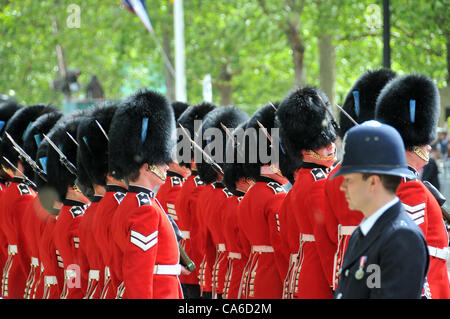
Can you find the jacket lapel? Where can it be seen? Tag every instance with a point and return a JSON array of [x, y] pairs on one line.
[[357, 249]]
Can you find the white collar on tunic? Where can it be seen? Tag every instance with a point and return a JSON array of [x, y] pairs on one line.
[[367, 223]]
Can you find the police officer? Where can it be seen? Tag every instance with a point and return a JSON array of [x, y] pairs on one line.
[[360, 105], [411, 104], [387, 256]]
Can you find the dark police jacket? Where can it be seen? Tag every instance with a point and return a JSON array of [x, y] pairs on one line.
[[391, 261]]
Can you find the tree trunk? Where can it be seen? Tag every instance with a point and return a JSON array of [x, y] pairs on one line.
[[225, 86], [448, 58], [169, 79], [327, 67], [298, 52]]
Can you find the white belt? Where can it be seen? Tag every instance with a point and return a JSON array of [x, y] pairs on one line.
[[221, 247], [107, 272], [441, 253], [12, 249], [70, 273], [234, 255], [306, 237], [167, 269], [34, 261], [293, 258], [50, 280], [94, 274], [345, 230], [262, 249], [186, 234]]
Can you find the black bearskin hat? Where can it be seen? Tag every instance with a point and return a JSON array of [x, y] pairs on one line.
[[18, 127], [234, 170], [266, 116], [304, 122], [230, 117], [178, 108], [187, 119], [142, 131], [411, 104], [360, 100], [7, 110], [34, 136], [59, 177], [92, 152]]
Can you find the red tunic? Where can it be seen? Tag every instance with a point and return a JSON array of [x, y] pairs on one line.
[[53, 273], [3, 240], [34, 225], [258, 214], [168, 192], [186, 204], [150, 249], [316, 250], [67, 240], [423, 208], [205, 243], [339, 219], [237, 258], [14, 205], [290, 239], [102, 235], [91, 264]]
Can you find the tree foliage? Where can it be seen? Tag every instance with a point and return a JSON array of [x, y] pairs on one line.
[[242, 46]]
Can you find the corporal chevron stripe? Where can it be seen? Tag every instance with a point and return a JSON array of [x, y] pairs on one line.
[[417, 212], [144, 242]]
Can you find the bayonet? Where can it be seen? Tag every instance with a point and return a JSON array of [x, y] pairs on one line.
[[62, 158], [216, 166], [28, 181], [101, 129], [27, 158]]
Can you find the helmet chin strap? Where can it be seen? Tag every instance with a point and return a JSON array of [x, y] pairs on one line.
[[319, 157], [419, 152], [155, 170]]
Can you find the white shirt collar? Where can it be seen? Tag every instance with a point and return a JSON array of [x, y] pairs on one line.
[[367, 223]]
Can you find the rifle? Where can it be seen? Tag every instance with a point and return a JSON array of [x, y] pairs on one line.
[[24, 156]]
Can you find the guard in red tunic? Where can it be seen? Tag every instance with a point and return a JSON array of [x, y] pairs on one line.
[[7, 110], [360, 105], [92, 155], [187, 199], [411, 104], [51, 266], [237, 184], [259, 209], [168, 192], [36, 218], [65, 183], [209, 214], [307, 133], [15, 201], [140, 148]]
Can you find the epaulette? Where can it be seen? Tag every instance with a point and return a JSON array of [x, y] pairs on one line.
[[143, 199], [318, 174], [277, 188], [227, 192], [119, 196], [410, 179], [76, 211], [24, 189], [198, 181], [218, 185], [176, 181]]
